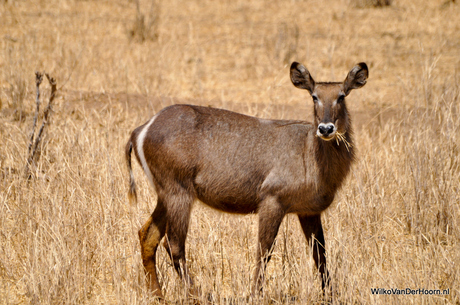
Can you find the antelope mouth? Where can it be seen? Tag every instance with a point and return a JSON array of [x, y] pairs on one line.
[[338, 136], [327, 138]]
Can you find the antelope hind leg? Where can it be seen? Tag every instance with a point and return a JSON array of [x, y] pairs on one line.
[[150, 236]]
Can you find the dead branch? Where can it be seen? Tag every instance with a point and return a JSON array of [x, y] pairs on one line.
[[38, 81], [46, 114]]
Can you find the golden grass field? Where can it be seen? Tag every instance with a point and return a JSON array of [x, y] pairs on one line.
[[69, 235]]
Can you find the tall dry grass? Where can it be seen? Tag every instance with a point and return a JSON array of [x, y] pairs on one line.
[[69, 236]]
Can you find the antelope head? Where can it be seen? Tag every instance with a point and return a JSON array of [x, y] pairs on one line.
[[331, 115]]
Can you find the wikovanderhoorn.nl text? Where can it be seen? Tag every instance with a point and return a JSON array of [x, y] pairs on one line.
[[409, 291]]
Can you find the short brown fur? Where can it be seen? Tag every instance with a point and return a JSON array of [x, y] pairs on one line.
[[242, 164]]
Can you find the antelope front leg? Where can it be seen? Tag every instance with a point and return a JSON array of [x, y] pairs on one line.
[[270, 216], [312, 228]]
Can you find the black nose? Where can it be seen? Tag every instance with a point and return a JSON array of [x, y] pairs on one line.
[[326, 130]]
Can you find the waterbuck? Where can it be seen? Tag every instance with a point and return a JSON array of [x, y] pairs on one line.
[[241, 164]]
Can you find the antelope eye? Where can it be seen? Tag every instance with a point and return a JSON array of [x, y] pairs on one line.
[[315, 98], [341, 98]]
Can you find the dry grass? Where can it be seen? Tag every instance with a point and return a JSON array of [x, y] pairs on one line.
[[69, 235]]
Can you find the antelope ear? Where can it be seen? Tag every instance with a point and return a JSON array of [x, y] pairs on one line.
[[301, 78], [356, 78]]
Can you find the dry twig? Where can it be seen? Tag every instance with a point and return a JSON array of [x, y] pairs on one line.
[[38, 81], [34, 145]]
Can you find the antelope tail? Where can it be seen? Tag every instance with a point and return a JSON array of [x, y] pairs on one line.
[[132, 195]]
